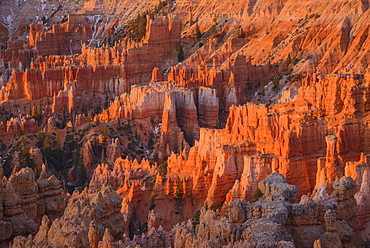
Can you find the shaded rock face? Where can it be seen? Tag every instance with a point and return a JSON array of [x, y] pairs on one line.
[[25, 200], [13, 214], [84, 222], [51, 197], [273, 221], [24, 183]]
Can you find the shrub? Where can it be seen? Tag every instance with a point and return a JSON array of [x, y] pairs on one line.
[[213, 31], [162, 170], [239, 33], [152, 200], [196, 219]]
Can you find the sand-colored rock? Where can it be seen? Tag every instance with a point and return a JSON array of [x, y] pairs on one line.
[[42, 234], [362, 200], [51, 196], [26, 200], [84, 220], [93, 235], [25, 185], [13, 212], [343, 194]]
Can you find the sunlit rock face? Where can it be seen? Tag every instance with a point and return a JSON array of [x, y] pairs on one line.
[[184, 124]]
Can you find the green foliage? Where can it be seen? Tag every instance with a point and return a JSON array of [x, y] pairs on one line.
[[2, 146], [180, 54], [40, 137], [275, 82], [151, 141], [105, 134], [36, 113], [62, 159], [136, 28], [152, 200], [258, 194], [239, 33], [152, 120], [46, 144], [294, 60], [80, 168], [213, 31], [25, 156], [162, 170], [196, 219], [150, 181], [7, 165], [179, 191]]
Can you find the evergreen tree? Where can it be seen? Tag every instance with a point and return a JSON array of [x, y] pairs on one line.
[[180, 54]]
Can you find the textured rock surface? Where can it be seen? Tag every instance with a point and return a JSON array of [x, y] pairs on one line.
[[24, 183], [51, 197], [84, 221], [270, 221], [193, 114], [362, 199], [25, 200], [13, 213]]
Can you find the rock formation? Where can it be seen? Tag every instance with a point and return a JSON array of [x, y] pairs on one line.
[[83, 222], [51, 197], [270, 221], [158, 110], [25, 200], [13, 213]]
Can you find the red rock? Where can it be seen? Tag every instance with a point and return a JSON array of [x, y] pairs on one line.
[[329, 168]]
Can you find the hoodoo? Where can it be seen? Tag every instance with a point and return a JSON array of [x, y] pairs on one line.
[[184, 123]]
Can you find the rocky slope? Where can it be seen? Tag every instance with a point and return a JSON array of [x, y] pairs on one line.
[[25, 200], [154, 111], [274, 220]]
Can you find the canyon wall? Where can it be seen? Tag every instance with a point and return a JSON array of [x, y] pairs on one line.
[[179, 107]]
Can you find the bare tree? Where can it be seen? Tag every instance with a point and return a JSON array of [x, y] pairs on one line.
[[13, 17]]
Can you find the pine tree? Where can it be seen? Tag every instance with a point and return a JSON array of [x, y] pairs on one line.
[[180, 54]]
